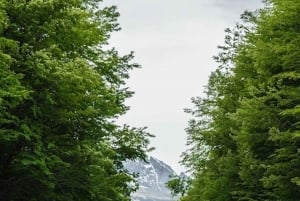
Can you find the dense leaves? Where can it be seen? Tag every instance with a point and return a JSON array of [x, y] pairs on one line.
[[60, 93], [244, 137]]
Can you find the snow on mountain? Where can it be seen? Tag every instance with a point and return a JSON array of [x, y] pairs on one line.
[[152, 179]]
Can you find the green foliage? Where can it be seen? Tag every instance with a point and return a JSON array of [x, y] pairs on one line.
[[178, 185], [60, 92], [245, 133]]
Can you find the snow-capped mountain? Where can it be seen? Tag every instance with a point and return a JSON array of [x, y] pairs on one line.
[[152, 180]]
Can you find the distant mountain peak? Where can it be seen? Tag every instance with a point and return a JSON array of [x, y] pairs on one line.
[[152, 179], [162, 164]]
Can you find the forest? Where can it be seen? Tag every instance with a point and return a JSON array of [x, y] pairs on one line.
[[62, 90]]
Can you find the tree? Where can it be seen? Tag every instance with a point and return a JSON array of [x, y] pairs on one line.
[[270, 134], [245, 135], [61, 91]]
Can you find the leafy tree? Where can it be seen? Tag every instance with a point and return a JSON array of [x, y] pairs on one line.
[[61, 91], [244, 138], [271, 129]]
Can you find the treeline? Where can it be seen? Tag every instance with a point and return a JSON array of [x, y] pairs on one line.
[[245, 135], [61, 90]]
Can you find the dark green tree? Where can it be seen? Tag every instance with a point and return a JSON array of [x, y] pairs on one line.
[[245, 134], [61, 91], [268, 117]]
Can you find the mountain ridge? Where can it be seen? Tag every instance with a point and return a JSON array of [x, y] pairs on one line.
[[152, 178]]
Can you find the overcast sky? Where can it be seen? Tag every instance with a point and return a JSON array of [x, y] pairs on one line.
[[173, 41]]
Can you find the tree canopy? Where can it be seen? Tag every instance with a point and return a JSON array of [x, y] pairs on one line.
[[244, 137], [61, 90]]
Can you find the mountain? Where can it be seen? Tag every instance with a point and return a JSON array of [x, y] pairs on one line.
[[152, 179]]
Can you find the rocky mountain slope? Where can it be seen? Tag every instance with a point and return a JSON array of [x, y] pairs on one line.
[[152, 179]]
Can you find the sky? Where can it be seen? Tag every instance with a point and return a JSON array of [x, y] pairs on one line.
[[174, 42]]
